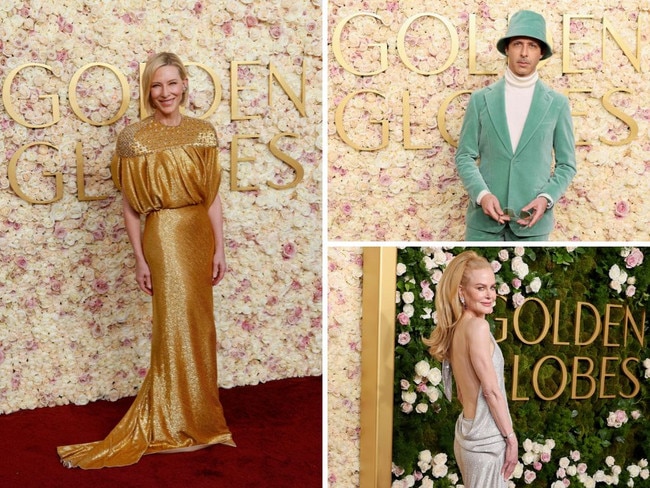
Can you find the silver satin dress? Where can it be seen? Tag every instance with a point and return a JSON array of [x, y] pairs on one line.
[[479, 446]]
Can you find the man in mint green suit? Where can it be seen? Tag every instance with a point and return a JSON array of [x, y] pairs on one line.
[[516, 152]]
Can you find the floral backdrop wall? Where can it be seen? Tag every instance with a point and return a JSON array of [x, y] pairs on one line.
[[588, 428], [344, 279], [601, 60], [73, 327]]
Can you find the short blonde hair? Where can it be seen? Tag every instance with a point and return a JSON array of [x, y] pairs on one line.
[[153, 63]]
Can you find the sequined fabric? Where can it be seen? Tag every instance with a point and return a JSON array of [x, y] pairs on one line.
[[478, 445], [171, 174]]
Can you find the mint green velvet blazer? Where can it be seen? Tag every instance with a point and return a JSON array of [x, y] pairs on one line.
[[543, 162]]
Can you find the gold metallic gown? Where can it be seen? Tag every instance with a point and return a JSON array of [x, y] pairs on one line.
[[170, 174]]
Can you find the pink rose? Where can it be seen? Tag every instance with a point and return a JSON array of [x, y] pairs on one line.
[[634, 259], [427, 294], [582, 468], [288, 250], [622, 209], [403, 319], [529, 476], [537, 465], [404, 338], [517, 300]]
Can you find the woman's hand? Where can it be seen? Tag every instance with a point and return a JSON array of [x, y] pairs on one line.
[[511, 459], [218, 266], [143, 276]]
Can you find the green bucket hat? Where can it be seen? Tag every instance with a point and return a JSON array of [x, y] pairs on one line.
[[526, 23]]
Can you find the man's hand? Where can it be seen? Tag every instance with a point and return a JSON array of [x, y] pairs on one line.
[[492, 208], [536, 208]]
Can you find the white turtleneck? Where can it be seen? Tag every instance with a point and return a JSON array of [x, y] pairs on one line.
[[519, 95]]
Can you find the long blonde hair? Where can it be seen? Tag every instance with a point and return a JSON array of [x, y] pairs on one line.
[[449, 308], [153, 63]]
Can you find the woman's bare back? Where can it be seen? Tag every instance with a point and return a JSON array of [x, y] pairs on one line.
[[467, 381]]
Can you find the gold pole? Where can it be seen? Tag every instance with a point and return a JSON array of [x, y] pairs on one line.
[[377, 365]]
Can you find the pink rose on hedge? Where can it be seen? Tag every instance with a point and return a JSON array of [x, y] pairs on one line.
[[635, 258], [529, 476], [403, 319], [404, 338]]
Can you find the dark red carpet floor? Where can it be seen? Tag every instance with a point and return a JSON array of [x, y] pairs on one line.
[[277, 427]]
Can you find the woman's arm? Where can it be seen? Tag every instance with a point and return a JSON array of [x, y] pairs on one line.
[[219, 261], [480, 347], [133, 230]]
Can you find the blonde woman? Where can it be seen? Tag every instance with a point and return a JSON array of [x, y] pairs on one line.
[[485, 444], [168, 170]]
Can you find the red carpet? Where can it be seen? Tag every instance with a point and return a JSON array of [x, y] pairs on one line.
[[277, 427]]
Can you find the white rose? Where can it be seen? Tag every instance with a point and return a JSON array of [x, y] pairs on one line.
[[425, 456], [535, 285], [434, 376], [519, 267], [617, 274], [440, 458], [408, 297], [409, 396], [401, 269], [422, 368], [427, 482], [433, 393], [634, 470], [439, 470], [527, 445], [422, 408], [616, 286], [528, 458]]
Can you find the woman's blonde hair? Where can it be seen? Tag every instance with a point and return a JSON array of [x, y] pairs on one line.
[[153, 63], [449, 308]]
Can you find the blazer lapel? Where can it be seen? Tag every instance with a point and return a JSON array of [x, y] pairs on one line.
[[539, 107], [495, 100]]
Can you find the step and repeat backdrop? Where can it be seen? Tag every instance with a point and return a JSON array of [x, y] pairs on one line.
[[399, 79], [73, 326]]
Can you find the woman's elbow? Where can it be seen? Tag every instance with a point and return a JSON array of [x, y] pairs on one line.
[[493, 396]]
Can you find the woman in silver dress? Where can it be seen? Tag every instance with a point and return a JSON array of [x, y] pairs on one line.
[[485, 444]]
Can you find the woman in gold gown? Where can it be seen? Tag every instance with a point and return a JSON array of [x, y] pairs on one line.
[[167, 166]]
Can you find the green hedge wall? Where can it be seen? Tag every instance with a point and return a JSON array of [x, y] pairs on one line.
[[585, 442]]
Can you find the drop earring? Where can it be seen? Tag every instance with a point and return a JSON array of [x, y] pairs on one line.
[[462, 301]]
